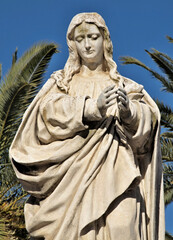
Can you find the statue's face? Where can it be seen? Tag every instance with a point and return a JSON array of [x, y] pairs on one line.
[[89, 42]]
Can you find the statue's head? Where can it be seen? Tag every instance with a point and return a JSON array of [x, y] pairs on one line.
[[74, 61]]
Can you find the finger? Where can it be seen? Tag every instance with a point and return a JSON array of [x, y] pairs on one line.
[[111, 92], [121, 90], [122, 107], [111, 103], [122, 100], [113, 96], [120, 94], [109, 88]]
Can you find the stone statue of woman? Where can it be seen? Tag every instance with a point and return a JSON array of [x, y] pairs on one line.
[[87, 150]]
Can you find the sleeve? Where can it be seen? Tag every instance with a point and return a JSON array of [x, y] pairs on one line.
[[138, 126], [91, 112], [61, 116]]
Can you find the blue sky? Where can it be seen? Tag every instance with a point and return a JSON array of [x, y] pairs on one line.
[[134, 25]]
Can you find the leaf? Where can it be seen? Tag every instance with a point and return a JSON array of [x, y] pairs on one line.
[[170, 39], [167, 134], [168, 236], [14, 59], [168, 193], [168, 183], [130, 60], [162, 62], [19, 88], [167, 149], [166, 115], [165, 56], [167, 86], [0, 71]]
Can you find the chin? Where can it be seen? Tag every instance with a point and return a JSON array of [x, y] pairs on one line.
[[91, 60]]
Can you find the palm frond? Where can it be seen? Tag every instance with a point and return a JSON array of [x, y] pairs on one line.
[[170, 39], [19, 88], [165, 56], [166, 115], [164, 108], [4, 233], [167, 135], [7, 178], [0, 71], [168, 236], [168, 192], [12, 199], [167, 86], [131, 60], [165, 65], [168, 183], [12, 221], [168, 171], [14, 59], [167, 149]]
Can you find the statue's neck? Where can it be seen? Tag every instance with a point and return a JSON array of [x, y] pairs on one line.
[[91, 68]]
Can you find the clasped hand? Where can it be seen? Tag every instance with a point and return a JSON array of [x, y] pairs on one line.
[[110, 96]]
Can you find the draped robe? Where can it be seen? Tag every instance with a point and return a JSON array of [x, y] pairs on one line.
[[90, 176]]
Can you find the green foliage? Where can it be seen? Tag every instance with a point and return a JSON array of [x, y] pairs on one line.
[[167, 82], [14, 59], [166, 117], [0, 71], [168, 236], [170, 39], [168, 183], [167, 147], [17, 90], [11, 213]]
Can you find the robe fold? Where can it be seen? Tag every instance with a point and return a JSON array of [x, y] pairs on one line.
[[90, 176]]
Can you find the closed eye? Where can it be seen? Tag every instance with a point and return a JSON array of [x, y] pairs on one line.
[[79, 38], [94, 36]]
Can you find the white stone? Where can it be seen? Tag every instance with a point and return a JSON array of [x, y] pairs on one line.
[[88, 148]]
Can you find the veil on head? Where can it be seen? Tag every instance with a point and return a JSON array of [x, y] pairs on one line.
[[73, 64], [88, 18]]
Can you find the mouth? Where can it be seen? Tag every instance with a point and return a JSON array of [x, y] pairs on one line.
[[89, 52]]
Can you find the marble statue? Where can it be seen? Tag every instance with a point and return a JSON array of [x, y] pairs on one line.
[[87, 150]]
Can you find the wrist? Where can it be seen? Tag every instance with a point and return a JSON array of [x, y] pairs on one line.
[[128, 115]]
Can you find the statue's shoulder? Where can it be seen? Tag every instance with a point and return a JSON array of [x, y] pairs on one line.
[[46, 89], [54, 80], [131, 86], [137, 91]]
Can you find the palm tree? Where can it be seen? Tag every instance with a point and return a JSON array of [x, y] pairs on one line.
[[165, 63], [17, 90]]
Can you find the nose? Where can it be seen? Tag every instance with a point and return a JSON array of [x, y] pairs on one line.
[[87, 44]]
